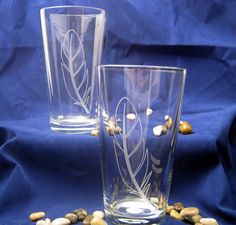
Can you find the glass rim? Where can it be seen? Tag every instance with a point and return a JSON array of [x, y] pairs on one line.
[[158, 68], [100, 10]]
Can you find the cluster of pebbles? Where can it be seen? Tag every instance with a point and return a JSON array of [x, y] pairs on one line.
[[190, 215], [112, 128], [78, 215]]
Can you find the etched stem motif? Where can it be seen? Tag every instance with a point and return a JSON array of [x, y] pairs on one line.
[[130, 148], [74, 70]]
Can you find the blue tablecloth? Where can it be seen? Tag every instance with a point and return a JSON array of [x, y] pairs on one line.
[[56, 173]]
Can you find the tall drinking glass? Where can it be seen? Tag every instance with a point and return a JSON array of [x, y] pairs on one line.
[[72, 38], [140, 112]]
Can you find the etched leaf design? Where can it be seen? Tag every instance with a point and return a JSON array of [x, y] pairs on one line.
[[75, 73], [130, 150]]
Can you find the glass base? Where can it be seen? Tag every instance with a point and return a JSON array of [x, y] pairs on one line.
[[73, 124], [135, 212]]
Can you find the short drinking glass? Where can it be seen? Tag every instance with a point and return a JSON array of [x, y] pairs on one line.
[[72, 38], [140, 111]]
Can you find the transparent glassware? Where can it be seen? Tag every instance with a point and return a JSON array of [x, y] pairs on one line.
[[73, 39], [140, 111]]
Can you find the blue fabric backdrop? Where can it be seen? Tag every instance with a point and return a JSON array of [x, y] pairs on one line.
[[42, 170]]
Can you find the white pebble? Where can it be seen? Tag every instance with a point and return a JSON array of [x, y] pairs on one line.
[[157, 131], [154, 200], [130, 116], [60, 221], [41, 222], [208, 221], [167, 117], [149, 112], [180, 122], [48, 221], [98, 221], [99, 214]]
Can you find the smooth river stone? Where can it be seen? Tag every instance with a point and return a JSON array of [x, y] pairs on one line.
[[208, 221], [175, 214], [189, 211], [99, 214], [178, 206], [36, 216], [98, 221], [60, 221], [41, 222]]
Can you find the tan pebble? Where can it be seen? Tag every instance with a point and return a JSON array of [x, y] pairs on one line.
[[72, 217], [164, 130], [98, 221], [149, 112], [178, 206], [41, 222], [95, 133], [130, 116], [198, 224], [110, 130], [208, 221], [169, 208], [154, 200], [196, 218], [81, 213], [99, 214], [61, 221], [117, 130], [111, 123], [169, 123], [36, 216], [175, 214], [185, 128], [157, 130], [189, 211], [87, 220]]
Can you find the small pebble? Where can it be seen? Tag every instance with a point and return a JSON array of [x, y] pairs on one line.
[[117, 130], [167, 117], [189, 211], [110, 130], [178, 206], [87, 220], [169, 208], [175, 214], [185, 128], [196, 218], [48, 221], [164, 130], [130, 116], [60, 117], [99, 214], [169, 122], [41, 222], [60, 221], [98, 221], [198, 224], [36, 216], [95, 133], [149, 112], [154, 200], [208, 221], [158, 130], [72, 217], [188, 219], [81, 214]]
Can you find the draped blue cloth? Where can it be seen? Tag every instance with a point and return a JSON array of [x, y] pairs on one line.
[[56, 173]]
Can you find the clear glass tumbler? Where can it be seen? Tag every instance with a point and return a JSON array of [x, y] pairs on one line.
[[140, 111], [72, 38]]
